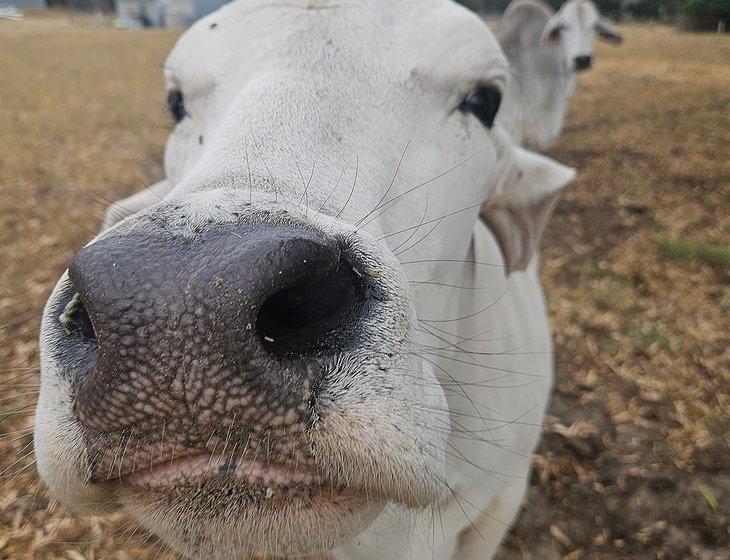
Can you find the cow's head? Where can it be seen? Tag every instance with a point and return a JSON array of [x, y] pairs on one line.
[[238, 366], [574, 29]]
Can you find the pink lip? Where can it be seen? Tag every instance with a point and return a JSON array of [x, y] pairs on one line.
[[204, 465]]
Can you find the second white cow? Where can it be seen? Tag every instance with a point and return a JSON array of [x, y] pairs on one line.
[[546, 51]]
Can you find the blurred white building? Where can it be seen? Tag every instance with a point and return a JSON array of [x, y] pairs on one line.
[[39, 4], [163, 13]]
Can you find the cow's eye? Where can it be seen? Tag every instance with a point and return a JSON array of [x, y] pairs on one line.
[[176, 104], [555, 32], [483, 103]]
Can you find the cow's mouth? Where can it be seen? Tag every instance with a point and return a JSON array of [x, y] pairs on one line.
[[262, 479], [220, 508], [265, 485]]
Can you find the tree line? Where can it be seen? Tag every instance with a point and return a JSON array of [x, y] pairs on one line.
[[697, 14]]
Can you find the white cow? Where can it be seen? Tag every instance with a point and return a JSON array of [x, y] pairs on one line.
[[546, 51], [306, 342]]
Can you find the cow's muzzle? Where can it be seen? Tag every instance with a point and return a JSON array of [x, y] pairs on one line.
[[179, 341]]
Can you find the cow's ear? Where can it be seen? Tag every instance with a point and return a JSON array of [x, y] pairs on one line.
[[552, 31], [525, 198], [608, 32]]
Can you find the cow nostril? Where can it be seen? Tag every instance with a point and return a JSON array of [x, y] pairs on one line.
[[314, 314], [75, 319], [583, 62]]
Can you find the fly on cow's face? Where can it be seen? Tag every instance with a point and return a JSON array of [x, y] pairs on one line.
[[176, 104]]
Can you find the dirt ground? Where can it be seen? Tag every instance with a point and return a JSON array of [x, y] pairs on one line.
[[635, 460]]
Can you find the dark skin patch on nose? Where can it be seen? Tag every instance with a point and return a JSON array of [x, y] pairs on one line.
[[178, 343], [193, 297]]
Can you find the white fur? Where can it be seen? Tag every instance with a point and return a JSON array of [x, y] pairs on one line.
[[349, 92]]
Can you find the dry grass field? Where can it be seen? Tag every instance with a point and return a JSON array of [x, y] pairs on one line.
[[635, 461]]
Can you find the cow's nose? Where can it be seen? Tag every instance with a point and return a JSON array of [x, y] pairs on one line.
[[229, 316], [583, 62]]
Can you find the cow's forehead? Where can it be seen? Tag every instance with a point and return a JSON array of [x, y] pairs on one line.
[[434, 38], [583, 11]]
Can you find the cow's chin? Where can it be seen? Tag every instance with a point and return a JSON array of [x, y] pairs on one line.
[[215, 519]]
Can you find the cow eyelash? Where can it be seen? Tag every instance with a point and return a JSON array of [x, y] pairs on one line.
[[176, 104], [483, 102]]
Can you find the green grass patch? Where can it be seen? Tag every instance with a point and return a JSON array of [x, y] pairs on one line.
[[717, 256], [709, 497], [594, 271]]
